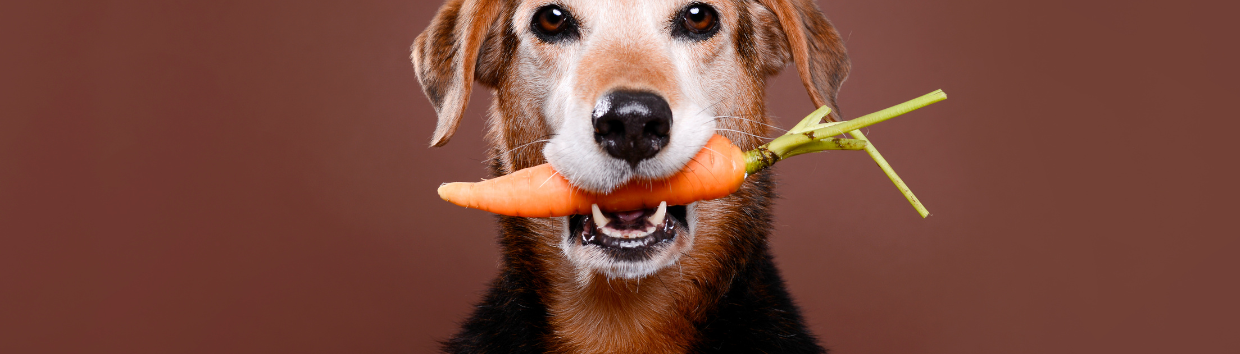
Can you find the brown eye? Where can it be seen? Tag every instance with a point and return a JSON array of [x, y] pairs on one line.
[[698, 22], [552, 24]]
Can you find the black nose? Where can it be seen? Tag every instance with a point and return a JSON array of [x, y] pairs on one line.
[[634, 126]]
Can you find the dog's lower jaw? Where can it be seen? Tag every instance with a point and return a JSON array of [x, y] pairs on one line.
[[591, 259]]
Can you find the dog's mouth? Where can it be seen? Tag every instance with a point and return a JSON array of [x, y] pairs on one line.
[[634, 235]]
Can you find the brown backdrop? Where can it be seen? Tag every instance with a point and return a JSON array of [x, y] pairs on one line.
[[253, 176]]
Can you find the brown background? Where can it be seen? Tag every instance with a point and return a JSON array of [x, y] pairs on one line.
[[253, 177]]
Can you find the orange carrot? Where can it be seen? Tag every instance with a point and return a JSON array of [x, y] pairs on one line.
[[716, 171]]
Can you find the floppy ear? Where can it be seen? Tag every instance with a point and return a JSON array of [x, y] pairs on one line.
[[816, 49], [445, 58]]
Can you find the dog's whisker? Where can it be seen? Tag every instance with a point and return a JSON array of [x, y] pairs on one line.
[[547, 139], [712, 105], [557, 173], [743, 133], [751, 120], [664, 283], [729, 96], [712, 171], [680, 266], [713, 150]]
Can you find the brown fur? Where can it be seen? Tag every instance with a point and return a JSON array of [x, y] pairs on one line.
[[816, 49], [617, 65], [472, 40]]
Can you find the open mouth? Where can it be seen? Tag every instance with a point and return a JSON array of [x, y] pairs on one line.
[[630, 235]]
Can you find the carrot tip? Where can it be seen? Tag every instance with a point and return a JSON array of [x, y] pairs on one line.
[[443, 191]]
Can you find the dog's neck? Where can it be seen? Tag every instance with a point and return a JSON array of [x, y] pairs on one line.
[[651, 315]]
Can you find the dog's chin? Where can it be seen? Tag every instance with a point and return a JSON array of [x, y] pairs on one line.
[[628, 245]]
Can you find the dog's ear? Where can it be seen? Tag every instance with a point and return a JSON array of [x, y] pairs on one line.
[[816, 49], [446, 58]]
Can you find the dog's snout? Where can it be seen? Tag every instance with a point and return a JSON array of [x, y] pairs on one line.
[[632, 126]]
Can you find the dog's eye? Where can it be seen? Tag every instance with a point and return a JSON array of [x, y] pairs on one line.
[[553, 24], [698, 22]]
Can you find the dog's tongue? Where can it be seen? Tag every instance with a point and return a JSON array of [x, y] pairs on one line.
[[629, 216]]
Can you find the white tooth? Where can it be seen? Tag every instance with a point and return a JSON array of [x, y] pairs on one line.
[[659, 215], [611, 233], [599, 219], [650, 230]]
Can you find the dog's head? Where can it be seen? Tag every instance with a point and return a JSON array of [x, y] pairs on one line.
[[613, 91]]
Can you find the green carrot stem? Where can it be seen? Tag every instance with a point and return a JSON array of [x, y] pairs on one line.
[[813, 118], [808, 136], [800, 136], [891, 173], [828, 144], [883, 115]]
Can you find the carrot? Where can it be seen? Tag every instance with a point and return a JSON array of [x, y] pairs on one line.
[[718, 170]]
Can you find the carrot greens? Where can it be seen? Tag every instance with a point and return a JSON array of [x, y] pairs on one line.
[[810, 136]]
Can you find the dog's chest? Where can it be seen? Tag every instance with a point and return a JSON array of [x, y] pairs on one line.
[[623, 317]]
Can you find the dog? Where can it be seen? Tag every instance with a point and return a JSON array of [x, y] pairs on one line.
[[610, 92]]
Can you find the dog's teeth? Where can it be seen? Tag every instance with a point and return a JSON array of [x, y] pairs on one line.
[[599, 219], [659, 215]]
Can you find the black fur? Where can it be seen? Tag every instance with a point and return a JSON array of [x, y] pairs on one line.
[[756, 316]]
